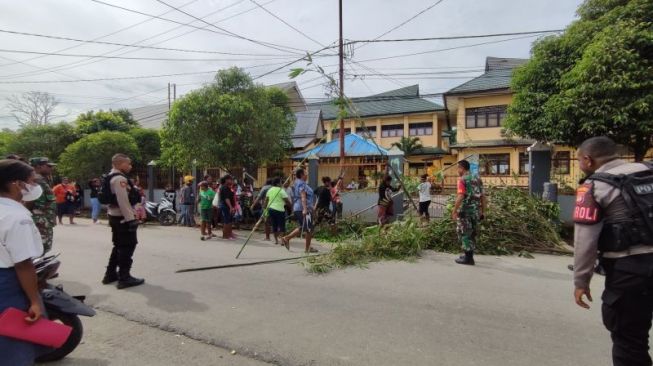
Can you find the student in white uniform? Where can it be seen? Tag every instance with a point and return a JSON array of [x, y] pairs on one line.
[[20, 241]]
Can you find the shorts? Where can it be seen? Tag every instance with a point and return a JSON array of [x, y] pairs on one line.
[[385, 213], [65, 208], [324, 214], [424, 208], [206, 214], [305, 224], [278, 220], [225, 213]]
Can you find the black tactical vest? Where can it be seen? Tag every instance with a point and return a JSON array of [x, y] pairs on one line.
[[636, 228]]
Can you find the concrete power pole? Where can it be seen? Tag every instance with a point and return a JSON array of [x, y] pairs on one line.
[[342, 92]]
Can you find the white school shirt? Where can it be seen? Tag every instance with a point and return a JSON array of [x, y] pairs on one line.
[[19, 238], [424, 192]]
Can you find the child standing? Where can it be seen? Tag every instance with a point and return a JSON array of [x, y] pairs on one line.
[[205, 203]]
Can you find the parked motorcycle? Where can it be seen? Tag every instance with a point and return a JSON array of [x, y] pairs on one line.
[[60, 307], [162, 212]]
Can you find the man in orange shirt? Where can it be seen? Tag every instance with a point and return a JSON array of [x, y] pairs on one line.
[[64, 194]]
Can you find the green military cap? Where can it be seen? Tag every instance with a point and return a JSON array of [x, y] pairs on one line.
[[40, 161]]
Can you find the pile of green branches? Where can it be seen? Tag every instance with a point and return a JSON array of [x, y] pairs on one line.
[[515, 223]]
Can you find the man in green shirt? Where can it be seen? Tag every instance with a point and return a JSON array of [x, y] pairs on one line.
[[205, 203]]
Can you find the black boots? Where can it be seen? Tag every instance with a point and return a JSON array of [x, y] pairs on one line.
[[110, 277], [467, 258], [129, 281]]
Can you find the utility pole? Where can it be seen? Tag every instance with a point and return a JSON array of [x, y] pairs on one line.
[[174, 92], [341, 94], [169, 103]]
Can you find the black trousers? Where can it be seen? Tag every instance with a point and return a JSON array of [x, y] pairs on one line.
[[124, 245], [628, 307]]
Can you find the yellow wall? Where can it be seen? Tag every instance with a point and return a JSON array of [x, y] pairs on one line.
[[432, 140], [478, 134]]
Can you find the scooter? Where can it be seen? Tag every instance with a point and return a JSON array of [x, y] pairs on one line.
[[162, 212], [60, 307]]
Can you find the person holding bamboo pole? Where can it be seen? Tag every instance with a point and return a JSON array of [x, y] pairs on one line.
[[302, 210]]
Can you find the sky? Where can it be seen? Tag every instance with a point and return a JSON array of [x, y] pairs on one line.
[[203, 36]]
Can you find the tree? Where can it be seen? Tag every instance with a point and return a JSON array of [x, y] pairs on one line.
[[6, 138], [408, 145], [595, 79], [148, 142], [230, 123], [32, 108], [47, 140], [91, 155], [92, 122]]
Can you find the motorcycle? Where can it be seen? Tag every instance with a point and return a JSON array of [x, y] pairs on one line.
[[60, 307], [162, 212]]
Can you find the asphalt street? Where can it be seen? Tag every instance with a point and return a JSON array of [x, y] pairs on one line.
[[504, 311]]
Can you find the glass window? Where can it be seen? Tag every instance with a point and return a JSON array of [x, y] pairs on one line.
[[471, 121], [336, 132], [561, 162], [494, 164], [524, 164], [392, 131], [420, 129], [482, 117], [362, 131]]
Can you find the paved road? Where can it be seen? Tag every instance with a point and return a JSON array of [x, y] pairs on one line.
[[112, 340], [505, 311]]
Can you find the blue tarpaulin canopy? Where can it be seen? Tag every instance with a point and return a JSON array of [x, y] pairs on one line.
[[354, 146]]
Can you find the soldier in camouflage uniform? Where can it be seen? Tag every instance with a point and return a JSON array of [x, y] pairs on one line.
[[44, 209], [468, 211]]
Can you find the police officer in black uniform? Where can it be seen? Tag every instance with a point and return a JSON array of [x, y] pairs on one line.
[[614, 222], [122, 197]]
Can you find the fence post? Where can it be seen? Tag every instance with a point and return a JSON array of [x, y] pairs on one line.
[[150, 180]]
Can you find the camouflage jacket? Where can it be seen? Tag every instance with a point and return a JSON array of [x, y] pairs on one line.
[[44, 209], [472, 188]]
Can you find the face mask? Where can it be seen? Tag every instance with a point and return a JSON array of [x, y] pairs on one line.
[[31, 192]]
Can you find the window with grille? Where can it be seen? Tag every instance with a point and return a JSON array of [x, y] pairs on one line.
[[420, 129], [494, 164], [485, 116], [524, 163], [364, 131], [561, 162], [336, 132], [392, 131]]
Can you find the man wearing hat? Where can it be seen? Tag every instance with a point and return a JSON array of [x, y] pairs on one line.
[[44, 209]]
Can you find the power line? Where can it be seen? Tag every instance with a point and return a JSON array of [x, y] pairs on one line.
[[407, 20], [143, 58], [104, 36], [133, 45], [447, 38], [445, 49], [288, 24], [106, 79], [226, 32], [77, 63]]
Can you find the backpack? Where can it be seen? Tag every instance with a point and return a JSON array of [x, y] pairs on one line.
[[106, 197], [637, 192]]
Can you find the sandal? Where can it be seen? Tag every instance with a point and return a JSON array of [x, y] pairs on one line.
[[312, 250], [285, 243]]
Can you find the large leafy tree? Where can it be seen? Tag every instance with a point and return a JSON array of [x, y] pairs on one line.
[[92, 122], [91, 155], [229, 123], [6, 138], [409, 145], [48, 140], [594, 79], [149, 143]]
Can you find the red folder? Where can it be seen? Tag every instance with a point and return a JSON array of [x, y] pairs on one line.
[[43, 332]]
